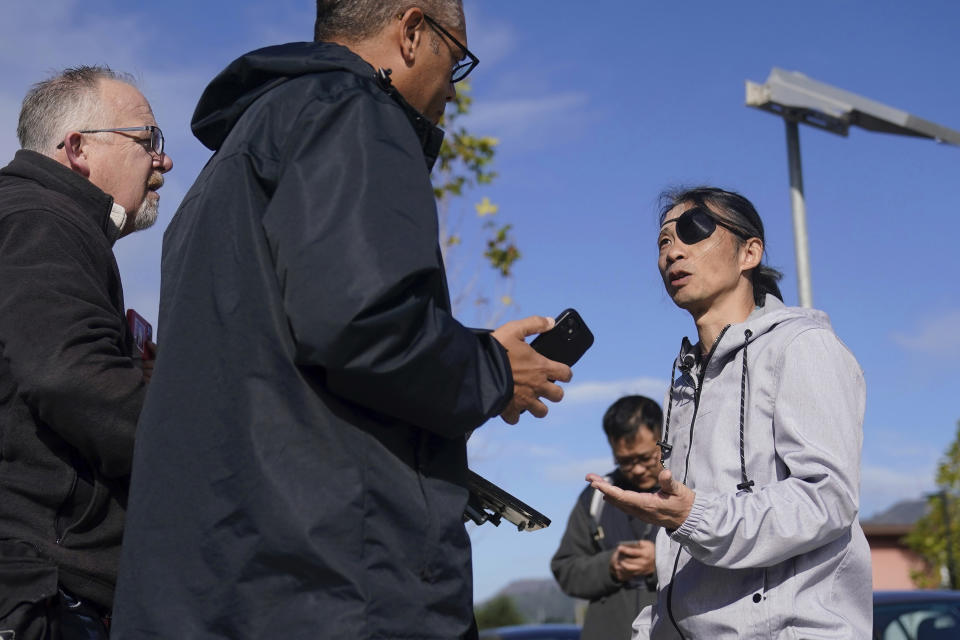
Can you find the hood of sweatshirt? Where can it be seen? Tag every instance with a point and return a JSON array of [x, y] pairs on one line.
[[760, 321], [734, 338]]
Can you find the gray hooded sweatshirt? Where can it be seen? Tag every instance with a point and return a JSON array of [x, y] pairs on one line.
[[767, 430]]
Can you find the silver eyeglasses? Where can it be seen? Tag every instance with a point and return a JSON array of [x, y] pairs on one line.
[[155, 139]]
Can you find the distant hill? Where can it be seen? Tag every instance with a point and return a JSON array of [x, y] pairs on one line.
[[540, 600], [903, 512]]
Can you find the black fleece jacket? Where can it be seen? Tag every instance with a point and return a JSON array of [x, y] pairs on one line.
[[70, 393]]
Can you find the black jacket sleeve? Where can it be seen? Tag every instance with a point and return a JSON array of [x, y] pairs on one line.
[[61, 336], [579, 568], [353, 230]]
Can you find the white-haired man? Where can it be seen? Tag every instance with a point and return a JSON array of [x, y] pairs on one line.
[[87, 174]]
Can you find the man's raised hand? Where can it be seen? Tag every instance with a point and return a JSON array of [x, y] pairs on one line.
[[668, 507]]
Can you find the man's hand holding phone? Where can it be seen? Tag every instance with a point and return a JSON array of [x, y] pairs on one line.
[[632, 559], [149, 358], [145, 349], [534, 375]]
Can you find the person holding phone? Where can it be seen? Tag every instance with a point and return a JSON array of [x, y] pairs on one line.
[[759, 493], [606, 556], [305, 429]]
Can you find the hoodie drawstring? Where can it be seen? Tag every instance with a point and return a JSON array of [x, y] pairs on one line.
[[746, 484], [664, 444]]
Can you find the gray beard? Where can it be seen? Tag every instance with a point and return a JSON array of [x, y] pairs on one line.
[[147, 214]]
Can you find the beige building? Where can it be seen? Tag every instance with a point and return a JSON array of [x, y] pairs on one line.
[[892, 560]]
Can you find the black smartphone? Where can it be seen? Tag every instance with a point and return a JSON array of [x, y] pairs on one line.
[[567, 341]]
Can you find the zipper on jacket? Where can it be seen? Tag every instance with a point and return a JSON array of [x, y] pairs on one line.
[[696, 407], [696, 399]]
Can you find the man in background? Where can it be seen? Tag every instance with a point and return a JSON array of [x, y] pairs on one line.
[[301, 461], [87, 173], [607, 556]]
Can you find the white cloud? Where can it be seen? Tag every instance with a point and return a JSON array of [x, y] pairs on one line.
[[279, 22], [39, 38], [491, 39], [42, 36], [576, 470], [591, 392], [520, 118], [496, 43], [882, 486], [486, 445], [936, 336], [538, 451], [894, 445]]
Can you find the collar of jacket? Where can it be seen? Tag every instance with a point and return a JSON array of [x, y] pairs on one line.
[[52, 175], [430, 136], [761, 320]]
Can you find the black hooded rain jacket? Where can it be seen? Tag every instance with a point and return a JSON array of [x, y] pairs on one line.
[[300, 466]]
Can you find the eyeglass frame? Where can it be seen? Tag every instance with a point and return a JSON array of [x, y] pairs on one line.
[[156, 134], [646, 460], [462, 63]]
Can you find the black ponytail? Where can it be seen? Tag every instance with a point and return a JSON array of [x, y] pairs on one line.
[[765, 279]]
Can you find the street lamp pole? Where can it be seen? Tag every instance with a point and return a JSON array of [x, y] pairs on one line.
[[799, 206]]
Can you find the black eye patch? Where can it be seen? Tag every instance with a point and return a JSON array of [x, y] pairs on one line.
[[698, 223]]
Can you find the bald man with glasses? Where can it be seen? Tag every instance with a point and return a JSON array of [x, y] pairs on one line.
[[307, 425]]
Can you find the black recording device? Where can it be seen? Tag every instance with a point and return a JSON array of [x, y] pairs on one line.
[[490, 503]]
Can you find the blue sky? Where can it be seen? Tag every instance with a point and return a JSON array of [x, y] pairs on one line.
[[598, 107]]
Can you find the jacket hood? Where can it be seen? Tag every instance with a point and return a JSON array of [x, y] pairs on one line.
[[760, 321], [735, 337], [250, 76]]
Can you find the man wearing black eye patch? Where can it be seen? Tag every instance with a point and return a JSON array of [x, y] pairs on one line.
[[759, 489]]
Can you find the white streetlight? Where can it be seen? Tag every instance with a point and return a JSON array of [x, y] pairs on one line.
[[796, 98]]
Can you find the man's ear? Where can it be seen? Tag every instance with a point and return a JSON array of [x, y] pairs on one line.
[[751, 253], [412, 26], [76, 155]]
